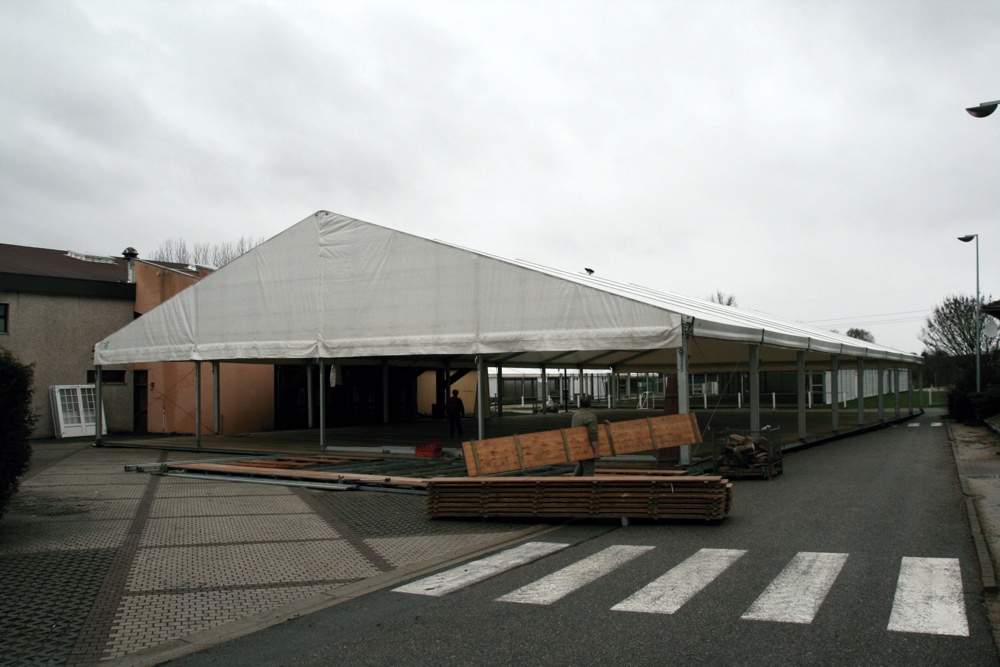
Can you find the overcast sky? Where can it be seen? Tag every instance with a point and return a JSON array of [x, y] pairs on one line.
[[812, 159]]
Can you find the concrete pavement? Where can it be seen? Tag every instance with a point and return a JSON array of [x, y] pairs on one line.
[[99, 565], [103, 566]]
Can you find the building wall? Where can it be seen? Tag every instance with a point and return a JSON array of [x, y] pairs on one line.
[[246, 391], [57, 334], [427, 391]]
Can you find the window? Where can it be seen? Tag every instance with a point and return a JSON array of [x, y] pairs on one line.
[[107, 377], [4, 317], [74, 410]]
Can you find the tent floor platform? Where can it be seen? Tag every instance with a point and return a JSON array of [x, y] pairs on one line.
[[402, 438]]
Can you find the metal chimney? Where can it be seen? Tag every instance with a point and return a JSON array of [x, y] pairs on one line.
[[130, 254]]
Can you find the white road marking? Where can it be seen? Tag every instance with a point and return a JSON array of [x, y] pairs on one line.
[[937, 424], [560, 584], [479, 570], [913, 425], [668, 593], [795, 595], [929, 598]]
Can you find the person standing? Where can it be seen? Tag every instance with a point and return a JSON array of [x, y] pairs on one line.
[[455, 410], [584, 417]]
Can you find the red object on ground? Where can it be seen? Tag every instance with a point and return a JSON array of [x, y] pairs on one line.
[[431, 450]]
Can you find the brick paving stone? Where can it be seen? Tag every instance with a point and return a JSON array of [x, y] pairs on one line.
[[99, 477], [244, 564], [146, 620], [403, 551], [22, 534], [373, 514], [46, 596], [97, 562], [217, 529], [226, 506], [179, 487]]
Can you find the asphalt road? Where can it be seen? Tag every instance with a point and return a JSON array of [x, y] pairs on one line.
[[811, 568]]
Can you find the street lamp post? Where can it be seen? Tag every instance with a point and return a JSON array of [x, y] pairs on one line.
[[966, 239], [983, 110]]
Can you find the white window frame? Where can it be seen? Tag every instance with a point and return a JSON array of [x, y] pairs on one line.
[[73, 410]]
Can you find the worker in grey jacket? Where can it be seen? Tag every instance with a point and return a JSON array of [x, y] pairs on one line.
[[584, 417]]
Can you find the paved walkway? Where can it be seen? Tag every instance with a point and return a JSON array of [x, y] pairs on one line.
[[102, 565]]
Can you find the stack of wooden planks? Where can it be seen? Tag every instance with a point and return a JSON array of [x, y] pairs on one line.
[[568, 445], [707, 498]]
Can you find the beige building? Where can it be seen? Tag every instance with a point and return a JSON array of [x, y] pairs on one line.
[[55, 305]]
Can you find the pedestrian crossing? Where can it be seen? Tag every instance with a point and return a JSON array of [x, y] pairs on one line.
[[928, 599]]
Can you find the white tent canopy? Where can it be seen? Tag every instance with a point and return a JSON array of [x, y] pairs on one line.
[[336, 288]]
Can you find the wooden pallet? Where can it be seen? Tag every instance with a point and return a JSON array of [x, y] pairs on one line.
[[568, 445], [707, 498]]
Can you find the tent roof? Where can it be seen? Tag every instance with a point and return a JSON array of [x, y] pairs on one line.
[[333, 287]]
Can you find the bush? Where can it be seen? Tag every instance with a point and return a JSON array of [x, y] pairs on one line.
[[964, 404], [16, 423]]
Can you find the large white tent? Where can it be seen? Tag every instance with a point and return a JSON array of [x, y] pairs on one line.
[[332, 287], [335, 290]]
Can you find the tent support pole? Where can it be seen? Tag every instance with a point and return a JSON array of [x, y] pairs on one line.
[[895, 387], [197, 405], [920, 386], [499, 391], [480, 397], [217, 410], [607, 389], [861, 391], [544, 397], [835, 392], [99, 411], [800, 368], [755, 389], [310, 393], [385, 391], [881, 390], [322, 406], [683, 403]]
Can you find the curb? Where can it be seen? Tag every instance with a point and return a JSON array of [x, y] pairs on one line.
[[986, 568]]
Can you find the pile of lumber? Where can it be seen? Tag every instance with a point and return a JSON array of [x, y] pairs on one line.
[[745, 456], [707, 498]]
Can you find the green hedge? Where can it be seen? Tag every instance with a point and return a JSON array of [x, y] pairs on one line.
[[16, 423]]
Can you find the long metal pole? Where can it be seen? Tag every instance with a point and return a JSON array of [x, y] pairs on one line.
[[99, 412], [216, 394], [481, 402], [683, 400], [197, 404], [978, 345], [835, 392], [322, 404]]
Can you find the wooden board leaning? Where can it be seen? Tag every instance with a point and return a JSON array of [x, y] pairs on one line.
[[569, 445]]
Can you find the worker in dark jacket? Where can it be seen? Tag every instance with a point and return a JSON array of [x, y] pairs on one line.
[[584, 417], [455, 409]]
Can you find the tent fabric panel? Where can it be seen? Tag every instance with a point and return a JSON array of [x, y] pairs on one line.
[[334, 287]]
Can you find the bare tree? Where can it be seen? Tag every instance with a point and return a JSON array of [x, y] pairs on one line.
[[204, 254], [861, 334], [951, 329], [722, 298], [172, 250]]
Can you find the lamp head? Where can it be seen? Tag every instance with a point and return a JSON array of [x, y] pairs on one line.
[[984, 109], [966, 238]]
